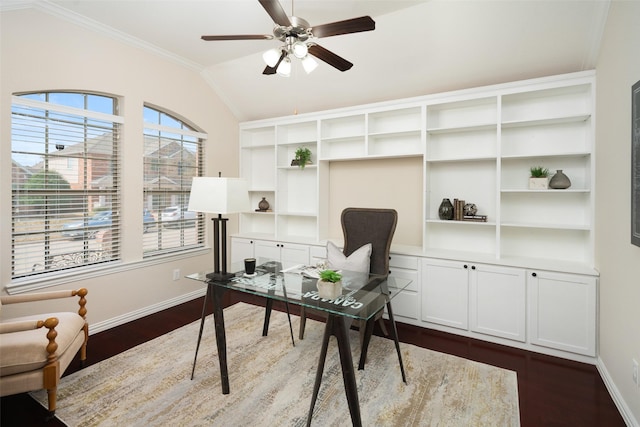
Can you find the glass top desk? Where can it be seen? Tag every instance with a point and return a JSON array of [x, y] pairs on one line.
[[363, 296]]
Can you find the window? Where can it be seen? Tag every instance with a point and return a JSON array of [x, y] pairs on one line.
[[172, 157], [65, 181]]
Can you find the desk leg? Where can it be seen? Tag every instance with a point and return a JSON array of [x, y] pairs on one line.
[[221, 340], [395, 338], [366, 339], [204, 314], [337, 326], [267, 316]]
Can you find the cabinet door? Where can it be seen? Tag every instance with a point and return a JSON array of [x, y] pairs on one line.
[[265, 250], [240, 249], [562, 311], [293, 254], [289, 254], [497, 301], [445, 292]]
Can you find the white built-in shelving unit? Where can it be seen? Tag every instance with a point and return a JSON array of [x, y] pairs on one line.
[[476, 145]]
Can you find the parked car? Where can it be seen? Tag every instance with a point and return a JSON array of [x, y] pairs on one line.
[[172, 214], [101, 220]]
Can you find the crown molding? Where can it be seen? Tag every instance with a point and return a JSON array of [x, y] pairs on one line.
[[97, 27]]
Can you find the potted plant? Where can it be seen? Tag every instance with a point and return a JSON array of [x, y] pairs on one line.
[[302, 158], [329, 284], [539, 179]]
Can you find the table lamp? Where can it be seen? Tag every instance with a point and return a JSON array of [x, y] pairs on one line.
[[220, 196]]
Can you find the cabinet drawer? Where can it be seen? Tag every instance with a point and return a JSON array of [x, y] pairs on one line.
[[405, 304], [403, 261], [406, 274]]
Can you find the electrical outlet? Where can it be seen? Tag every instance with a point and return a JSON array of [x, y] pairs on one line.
[[176, 274], [635, 372]]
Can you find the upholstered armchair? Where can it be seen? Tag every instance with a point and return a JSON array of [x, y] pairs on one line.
[[35, 350]]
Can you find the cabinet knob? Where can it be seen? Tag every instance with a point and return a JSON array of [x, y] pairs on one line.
[[473, 267], [534, 274], [466, 266]]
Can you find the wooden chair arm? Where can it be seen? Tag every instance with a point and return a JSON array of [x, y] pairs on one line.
[[42, 296]]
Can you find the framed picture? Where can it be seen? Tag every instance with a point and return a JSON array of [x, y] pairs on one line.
[[635, 164]]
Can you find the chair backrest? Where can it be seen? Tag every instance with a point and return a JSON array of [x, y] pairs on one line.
[[369, 225]]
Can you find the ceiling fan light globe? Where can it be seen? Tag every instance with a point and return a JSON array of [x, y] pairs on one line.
[[284, 69], [300, 49], [309, 64], [271, 57]]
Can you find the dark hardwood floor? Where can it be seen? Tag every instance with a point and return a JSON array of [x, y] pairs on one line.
[[552, 391]]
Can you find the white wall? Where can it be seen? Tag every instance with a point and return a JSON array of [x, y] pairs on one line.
[[617, 259], [43, 52]]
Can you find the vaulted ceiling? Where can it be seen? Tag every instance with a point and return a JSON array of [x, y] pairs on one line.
[[417, 48]]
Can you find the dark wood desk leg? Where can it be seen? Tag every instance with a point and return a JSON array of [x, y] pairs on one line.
[[337, 326], [395, 338], [221, 339], [204, 314], [320, 369], [366, 339], [267, 316]]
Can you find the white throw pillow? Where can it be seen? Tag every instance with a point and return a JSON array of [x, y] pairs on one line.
[[358, 261]]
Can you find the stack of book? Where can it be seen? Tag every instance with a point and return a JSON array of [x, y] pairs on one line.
[[459, 215]]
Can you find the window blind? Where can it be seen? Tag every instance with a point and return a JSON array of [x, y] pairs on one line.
[[65, 204], [172, 157]]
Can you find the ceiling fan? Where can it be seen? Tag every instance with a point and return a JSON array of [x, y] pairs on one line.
[[297, 36]]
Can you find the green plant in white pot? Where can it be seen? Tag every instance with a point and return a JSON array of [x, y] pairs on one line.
[[329, 284], [303, 157], [539, 178]]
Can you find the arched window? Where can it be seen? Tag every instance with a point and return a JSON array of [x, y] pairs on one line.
[[65, 181], [172, 157]]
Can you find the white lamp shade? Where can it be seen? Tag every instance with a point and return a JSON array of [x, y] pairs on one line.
[[271, 57], [309, 64], [284, 69], [219, 195], [299, 49]]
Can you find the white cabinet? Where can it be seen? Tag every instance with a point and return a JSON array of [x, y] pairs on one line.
[[562, 311], [406, 305], [445, 293], [289, 254], [240, 249], [497, 301], [479, 298]]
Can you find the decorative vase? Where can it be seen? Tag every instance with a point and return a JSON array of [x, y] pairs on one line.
[[329, 290], [445, 211], [559, 181], [263, 205]]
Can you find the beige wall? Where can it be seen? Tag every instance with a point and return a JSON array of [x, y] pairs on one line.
[[617, 259], [43, 52], [388, 183]]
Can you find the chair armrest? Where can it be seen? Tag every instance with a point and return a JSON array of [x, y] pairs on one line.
[[42, 296]]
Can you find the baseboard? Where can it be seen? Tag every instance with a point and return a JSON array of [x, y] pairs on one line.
[[618, 400], [94, 328]]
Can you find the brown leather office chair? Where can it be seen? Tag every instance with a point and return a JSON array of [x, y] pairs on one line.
[[361, 226], [35, 350]]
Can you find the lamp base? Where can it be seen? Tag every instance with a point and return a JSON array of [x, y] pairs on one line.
[[220, 276]]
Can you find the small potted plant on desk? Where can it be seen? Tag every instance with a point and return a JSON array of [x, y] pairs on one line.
[[539, 179], [302, 158], [329, 284]]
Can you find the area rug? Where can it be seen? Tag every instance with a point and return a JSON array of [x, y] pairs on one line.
[[271, 382]]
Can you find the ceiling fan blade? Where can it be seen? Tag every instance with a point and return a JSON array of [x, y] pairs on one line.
[[238, 37], [272, 70], [276, 12], [355, 25], [330, 57]]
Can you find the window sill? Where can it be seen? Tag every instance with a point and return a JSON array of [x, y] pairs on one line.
[[42, 281]]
